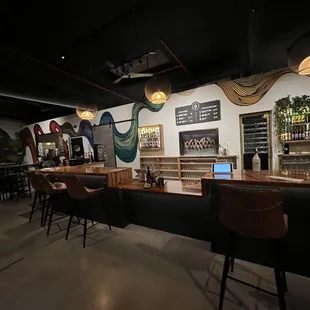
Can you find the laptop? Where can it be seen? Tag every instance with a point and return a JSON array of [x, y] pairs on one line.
[[222, 168]]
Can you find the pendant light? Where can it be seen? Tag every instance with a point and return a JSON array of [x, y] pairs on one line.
[[87, 112], [299, 55], [158, 90]]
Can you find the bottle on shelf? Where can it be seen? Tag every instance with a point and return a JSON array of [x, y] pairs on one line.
[[303, 134], [256, 161], [289, 137], [307, 131], [293, 133], [296, 132], [286, 148], [300, 133], [149, 179], [285, 134]]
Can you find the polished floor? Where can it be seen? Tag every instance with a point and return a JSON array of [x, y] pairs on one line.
[[134, 268]]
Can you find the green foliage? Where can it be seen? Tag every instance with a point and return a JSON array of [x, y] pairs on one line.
[[11, 150], [285, 108]]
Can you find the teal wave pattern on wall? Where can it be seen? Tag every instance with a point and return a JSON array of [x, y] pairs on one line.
[[126, 144]]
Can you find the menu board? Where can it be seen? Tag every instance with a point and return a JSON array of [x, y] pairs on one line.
[[198, 113]]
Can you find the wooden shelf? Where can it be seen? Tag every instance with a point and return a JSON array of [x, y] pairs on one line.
[[168, 163], [297, 141], [198, 163], [150, 163], [295, 164], [196, 170], [294, 155], [174, 168], [211, 159]]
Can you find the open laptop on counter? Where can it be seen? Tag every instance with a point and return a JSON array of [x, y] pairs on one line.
[[222, 170]]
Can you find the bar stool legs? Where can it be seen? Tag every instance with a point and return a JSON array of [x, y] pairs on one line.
[[69, 226], [279, 273], [43, 210], [85, 231], [232, 264], [33, 206]]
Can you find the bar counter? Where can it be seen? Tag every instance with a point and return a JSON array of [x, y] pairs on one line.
[[295, 193], [171, 187], [193, 212], [95, 174], [262, 178]]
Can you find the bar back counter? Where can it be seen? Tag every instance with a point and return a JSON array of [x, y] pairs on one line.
[[193, 212]]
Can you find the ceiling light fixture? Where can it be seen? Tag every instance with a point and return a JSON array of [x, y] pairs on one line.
[[63, 57], [88, 112], [158, 90], [299, 55]]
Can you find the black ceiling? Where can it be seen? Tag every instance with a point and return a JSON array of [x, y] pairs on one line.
[[203, 41]]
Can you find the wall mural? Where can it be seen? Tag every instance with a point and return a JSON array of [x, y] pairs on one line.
[[249, 90], [125, 143], [244, 91], [13, 149]]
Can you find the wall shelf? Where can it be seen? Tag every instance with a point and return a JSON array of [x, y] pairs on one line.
[[173, 167], [294, 155], [297, 141], [196, 170]]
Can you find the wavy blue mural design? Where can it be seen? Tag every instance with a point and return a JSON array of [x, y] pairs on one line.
[[126, 144]]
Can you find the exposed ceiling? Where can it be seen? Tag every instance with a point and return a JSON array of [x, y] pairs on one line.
[[196, 42]]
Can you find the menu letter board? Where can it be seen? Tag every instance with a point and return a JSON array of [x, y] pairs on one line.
[[198, 113]]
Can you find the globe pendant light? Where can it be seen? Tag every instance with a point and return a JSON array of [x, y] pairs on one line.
[[158, 90], [299, 55], [87, 112]]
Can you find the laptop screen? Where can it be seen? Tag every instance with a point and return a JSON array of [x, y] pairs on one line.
[[222, 168]]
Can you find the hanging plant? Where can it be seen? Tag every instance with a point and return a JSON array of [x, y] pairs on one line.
[[287, 107]]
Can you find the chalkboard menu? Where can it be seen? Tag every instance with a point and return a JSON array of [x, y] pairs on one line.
[[198, 113]]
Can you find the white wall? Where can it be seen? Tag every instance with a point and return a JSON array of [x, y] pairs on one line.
[[11, 126], [229, 133]]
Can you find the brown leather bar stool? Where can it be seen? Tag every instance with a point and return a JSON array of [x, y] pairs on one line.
[[256, 214], [39, 191], [51, 189], [82, 198]]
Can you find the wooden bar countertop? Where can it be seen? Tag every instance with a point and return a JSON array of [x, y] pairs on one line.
[[262, 178], [171, 187], [113, 175], [88, 169]]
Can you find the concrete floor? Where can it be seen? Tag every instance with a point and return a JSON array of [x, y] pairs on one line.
[[133, 268]]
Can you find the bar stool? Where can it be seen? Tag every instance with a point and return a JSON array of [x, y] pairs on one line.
[[81, 197], [39, 191], [51, 189], [256, 214]]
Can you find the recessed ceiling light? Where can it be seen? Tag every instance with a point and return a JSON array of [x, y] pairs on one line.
[[63, 57]]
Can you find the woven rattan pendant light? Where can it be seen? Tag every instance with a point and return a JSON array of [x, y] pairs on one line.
[[158, 90], [87, 112], [299, 55]]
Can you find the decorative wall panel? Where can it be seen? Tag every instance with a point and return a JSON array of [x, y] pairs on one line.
[[249, 90]]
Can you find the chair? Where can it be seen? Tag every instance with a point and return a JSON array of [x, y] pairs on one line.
[[39, 190], [81, 197], [256, 214], [51, 189]]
